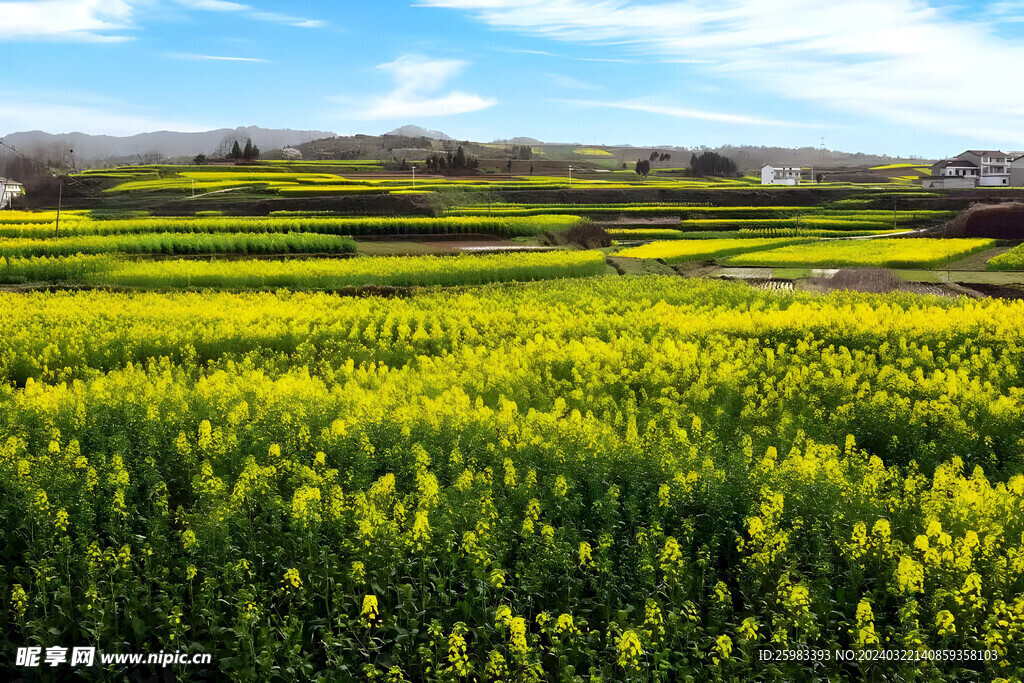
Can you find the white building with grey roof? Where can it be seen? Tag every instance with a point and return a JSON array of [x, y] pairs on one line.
[[9, 189]]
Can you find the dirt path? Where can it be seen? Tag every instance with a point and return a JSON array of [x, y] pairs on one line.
[[977, 261], [639, 266]]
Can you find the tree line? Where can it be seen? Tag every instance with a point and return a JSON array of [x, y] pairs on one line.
[[438, 163], [701, 165], [712, 164]]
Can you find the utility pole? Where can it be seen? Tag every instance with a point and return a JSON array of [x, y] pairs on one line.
[[570, 176], [60, 197], [60, 193], [414, 175], [946, 245]]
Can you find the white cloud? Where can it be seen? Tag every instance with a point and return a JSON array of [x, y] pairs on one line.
[[684, 113], [252, 12], [68, 20], [896, 60], [415, 94], [288, 20], [214, 58], [214, 5], [447, 105], [558, 56], [1006, 12], [108, 20]]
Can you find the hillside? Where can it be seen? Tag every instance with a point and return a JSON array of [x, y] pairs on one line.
[[418, 132], [90, 149]]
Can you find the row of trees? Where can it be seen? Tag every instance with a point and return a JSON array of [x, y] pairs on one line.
[[231, 149], [460, 161], [701, 165], [521, 152], [250, 153], [712, 164]]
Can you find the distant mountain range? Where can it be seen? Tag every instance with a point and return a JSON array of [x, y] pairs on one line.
[[418, 132], [518, 141], [40, 145], [103, 150]]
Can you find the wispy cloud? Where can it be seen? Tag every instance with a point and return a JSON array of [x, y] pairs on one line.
[[1005, 12], [544, 53], [66, 20], [214, 58], [571, 82], [875, 58], [417, 82], [288, 20], [252, 12], [214, 5], [684, 113]]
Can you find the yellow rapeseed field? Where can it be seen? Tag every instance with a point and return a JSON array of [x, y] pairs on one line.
[[631, 479]]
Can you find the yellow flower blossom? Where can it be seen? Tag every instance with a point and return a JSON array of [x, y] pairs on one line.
[[630, 650], [369, 613]]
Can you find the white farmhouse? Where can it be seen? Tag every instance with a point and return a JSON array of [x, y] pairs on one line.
[[973, 168], [9, 189], [784, 175], [994, 167]]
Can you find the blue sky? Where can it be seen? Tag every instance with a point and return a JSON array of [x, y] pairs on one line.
[[902, 77]]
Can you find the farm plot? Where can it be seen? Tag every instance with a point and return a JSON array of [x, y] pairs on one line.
[[678, 251], [305, 274], [179, 243], [888, 253], [372, 225], [1010, 260]]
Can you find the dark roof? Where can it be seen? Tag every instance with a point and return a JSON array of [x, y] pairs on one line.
[[961, 163], [986, 152]]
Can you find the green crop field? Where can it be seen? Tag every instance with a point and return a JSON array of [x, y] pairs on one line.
[[302, 274], [179, 243], [1010, 260], [370, 225]]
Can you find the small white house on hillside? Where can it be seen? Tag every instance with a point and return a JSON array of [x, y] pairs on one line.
[[780, 175], [9, 189]]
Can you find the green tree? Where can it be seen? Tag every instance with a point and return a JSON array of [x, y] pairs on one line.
[[236, 151], [712, 164]]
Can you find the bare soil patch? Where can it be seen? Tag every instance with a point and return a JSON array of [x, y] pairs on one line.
[[1012, 292]]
